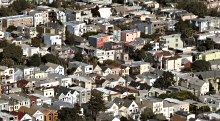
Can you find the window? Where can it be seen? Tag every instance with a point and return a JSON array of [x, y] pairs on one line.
[[176, 45], [176, 40]]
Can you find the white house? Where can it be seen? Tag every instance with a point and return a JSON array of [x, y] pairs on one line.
[[66, 95], [76, 27], [8, 74], [29, 51], [38, 17], [51, 39], [103, 55], [25, 117], [86, 68], [52, 68], [105, 12], [112, 108], [35, 114]]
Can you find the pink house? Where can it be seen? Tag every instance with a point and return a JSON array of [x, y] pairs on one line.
[[130, 35]]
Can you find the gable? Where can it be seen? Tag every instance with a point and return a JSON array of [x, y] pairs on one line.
[[59, 67], [97, 68], [37, 113]]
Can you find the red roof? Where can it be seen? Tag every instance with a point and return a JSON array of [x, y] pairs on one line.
[[22, 83], [164, 53], [19, 114], [122, 88]]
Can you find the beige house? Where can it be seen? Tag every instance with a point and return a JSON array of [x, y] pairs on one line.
[[18, 20], [171, 41]]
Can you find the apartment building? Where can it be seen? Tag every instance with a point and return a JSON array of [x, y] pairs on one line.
[[98, 41], [18, 20], [130, 35], [171, 41]]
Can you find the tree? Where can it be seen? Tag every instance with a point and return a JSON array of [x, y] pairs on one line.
[[180, 95], [201, 48], [164, 81], [3, 43], [70, 114], [11, 28], [53, 59], [69, 39], [20, 5], [96, 103], [35, 60], [14, 52], [86, 35], [201, 65], [7, 62], [147, 47], [95, 12], [78, 57], [36, 42], [146, 114], [195, 7]]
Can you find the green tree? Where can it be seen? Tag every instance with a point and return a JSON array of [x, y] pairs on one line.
[[146, 114], [164, 81], [14, 52], [86, 35], [53, 59], [201, 65], [78, 57], [34, 60], [3, 43], [11, 28], [70, 114], [96, 103], [69, 39], [95, 12], [7, 62], [180, 95], [147, 47], [195, 7], [36, 42], [20, 5]]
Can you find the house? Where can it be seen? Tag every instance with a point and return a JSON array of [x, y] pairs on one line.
[[76, 27], [189, 81], [114, 80], [66, 95], [130, 35], [7, 74], [52, 68], [86, 68], [183, 116], [155, 104], [5, 116], [84, 94], [206, 23], [112, 108], [29, 51], [211, 100], [4, 105], [210, 55], [39, 17], [172, 63], [35, 114], [177, 104], [104, 54], [105, 12], [16, 101], [80, 15], [215, 64], [49, 114], [52, 39], [22, 116], [108, 95], [98, 41], [171, 41], [138, 67], [42, 98], [106, 71], [5, 88], [97, 69], [82, 81], [153, 26]]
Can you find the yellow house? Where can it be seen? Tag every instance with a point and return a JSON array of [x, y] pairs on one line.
[[210, 55]]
